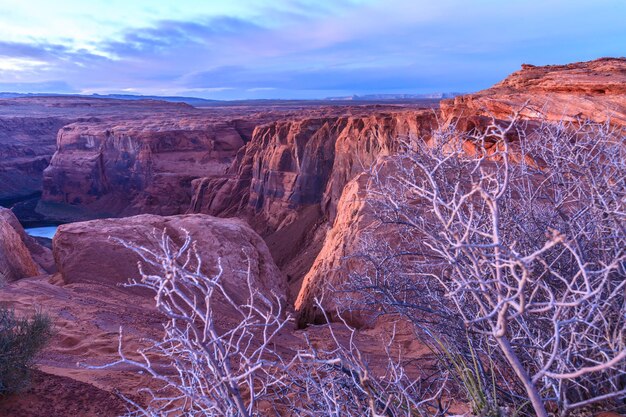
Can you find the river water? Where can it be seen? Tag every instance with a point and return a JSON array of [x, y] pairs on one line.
[[45, 231]]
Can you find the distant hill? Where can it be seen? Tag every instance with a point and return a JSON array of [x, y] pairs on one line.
[[203, 102], [193, 101], [380, 97]]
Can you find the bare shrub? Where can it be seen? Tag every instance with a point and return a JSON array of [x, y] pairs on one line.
[[221, 358], [513, 237]]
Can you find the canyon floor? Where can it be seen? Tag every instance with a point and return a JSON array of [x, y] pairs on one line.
[[284, 180]]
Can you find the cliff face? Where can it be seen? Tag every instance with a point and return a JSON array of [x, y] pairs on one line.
[[117, 168], [594, 90], [26, 146], [289, 165], [28, 133], [331, 268], [287, 181]]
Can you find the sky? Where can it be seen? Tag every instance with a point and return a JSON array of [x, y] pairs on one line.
[[305, 49]]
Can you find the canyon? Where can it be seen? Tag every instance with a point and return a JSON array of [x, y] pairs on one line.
[[279, 188]]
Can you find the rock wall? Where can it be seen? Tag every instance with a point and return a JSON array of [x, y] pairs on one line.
[[289, 165], [594, 90], [121, 168], [26, 147], [287, 181]]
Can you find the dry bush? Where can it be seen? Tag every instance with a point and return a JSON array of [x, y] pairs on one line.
[[207, 365], [514, 239]]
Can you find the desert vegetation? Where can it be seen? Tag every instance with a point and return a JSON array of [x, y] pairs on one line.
[[506, 255], [206, 369], [511, 259], [21, 339]]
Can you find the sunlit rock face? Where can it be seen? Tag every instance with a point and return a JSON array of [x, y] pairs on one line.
[[287, 181], [594, 90], [291, 164]]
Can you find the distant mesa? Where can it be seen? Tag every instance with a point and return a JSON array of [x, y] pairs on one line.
[[382, 97], [193, 101]]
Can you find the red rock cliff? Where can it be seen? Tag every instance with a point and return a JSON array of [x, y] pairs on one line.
[[594, 90], [123, 167], [288, 180]]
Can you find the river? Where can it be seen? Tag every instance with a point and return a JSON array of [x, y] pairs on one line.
[[45, 231]]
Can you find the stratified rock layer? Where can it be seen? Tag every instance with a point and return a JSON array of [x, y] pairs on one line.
[[28, 131], [135, 166], [289, 165], [594, 90], [288, 179]]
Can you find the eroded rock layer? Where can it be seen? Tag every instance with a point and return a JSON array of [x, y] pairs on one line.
[[594, 90], [118, 168], [28, 132], [289, 165], [287, 181]]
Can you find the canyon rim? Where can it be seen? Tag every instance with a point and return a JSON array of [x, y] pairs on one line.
[[355, 208]]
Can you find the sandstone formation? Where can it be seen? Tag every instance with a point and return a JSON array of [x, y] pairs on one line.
[[329, 272], [28, 131], [594, 90], [293, 164], [85, 253], [288, 179], [16, 262], [140, 166], [40, 254]]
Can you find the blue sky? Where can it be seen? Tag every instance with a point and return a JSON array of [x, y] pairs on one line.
[[230, 49]]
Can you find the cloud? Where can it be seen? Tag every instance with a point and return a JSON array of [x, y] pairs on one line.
[[306, 48]]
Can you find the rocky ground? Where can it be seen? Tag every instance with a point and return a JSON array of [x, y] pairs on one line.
[[294, 176]]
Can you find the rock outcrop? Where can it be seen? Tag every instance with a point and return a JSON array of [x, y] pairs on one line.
[[26, 146], [594, 90], [289, 165], [28, 132], [329, 272], [142, 166], [85, 253], [16, 261], [121, 167], [288, 179]]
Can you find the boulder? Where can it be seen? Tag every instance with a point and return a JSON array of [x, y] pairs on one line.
[[16, 262], [87, 252]]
